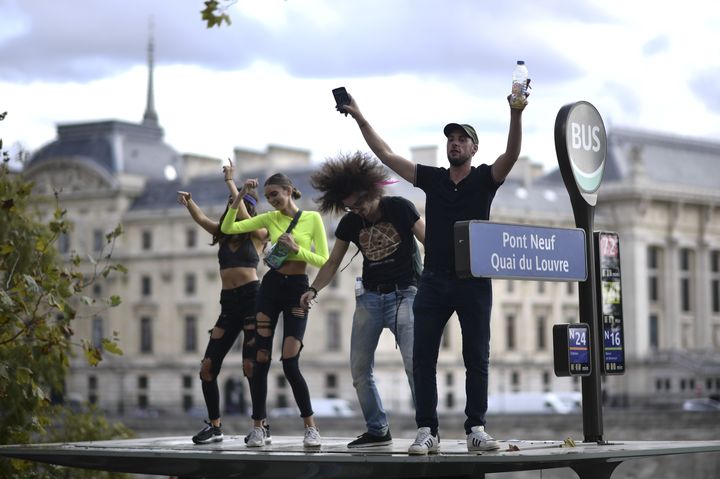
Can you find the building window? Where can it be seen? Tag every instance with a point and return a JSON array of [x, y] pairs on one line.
[[653, 258], [685, 295], [63, 243], [546, 381], [333, 331], [147, 240], [570, 288], [97, 332], [98, 242], [146, 335], [449, 379], [330, 381], [190, 334], [281, 382], [450, 400], [541, 287], [654, 331], [334, 282], [187, 381], [146, 286], [715, 281], [653, 293], [687, 260], [190, 238], [92, 389], [510, 332], [515, 381], [541, 343], [510, 285], [142, 384], [190, 284]]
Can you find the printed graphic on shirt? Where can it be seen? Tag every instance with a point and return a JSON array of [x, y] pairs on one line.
[[379, 241]]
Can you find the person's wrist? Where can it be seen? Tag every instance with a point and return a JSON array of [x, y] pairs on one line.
[[315, 291]]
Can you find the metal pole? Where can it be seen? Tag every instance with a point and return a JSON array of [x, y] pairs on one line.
[[587, 295]]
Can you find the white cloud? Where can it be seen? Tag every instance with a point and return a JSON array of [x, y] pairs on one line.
[[412, 67]]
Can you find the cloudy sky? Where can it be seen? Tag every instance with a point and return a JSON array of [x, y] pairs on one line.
[[412, 66]]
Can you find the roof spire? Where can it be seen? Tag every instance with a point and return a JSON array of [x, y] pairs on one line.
[[150, 117]]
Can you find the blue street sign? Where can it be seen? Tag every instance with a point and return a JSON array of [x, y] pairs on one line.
[[503, 250]]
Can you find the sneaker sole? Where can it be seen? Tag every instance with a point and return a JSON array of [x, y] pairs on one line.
[[486, 448], [424, 452], [370, 444], [312, 446], [255, 444], [207, 441]]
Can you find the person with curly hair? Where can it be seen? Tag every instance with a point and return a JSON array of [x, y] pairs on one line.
[[460, 192], [384, 229], [301, 235]]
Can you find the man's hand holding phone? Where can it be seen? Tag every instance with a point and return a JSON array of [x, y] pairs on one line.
[[342, 98]]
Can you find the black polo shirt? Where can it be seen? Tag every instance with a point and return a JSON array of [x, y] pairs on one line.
[[446, 203]]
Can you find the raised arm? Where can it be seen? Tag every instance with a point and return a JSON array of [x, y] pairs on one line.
[[401, 166], [504, 163], [229, 172], [185, 199]]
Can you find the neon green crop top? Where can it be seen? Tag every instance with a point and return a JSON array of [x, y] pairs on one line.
[[308, 231]]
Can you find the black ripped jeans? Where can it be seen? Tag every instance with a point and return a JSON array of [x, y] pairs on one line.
[[280, 293], [237, 313]]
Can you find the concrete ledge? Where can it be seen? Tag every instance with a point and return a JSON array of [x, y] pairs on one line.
[[287, 458]]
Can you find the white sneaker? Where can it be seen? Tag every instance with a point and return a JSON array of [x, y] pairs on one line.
[[256, 438], [425, 442], [479, 440], [312, 437]]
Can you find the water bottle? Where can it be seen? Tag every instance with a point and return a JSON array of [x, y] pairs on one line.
[[519, 85], [359, 288]]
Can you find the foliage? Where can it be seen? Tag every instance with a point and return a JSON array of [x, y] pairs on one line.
[[214, 13], [40, 296]]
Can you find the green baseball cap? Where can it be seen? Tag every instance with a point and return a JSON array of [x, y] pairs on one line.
[[469, 130]]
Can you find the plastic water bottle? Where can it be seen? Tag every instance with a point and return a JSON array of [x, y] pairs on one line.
[[519, 85], [359, 288]]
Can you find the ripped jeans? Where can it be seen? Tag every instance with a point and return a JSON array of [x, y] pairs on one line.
[[237, 313], [280, 293]]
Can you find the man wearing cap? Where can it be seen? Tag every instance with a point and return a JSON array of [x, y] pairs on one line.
[[460, 192]]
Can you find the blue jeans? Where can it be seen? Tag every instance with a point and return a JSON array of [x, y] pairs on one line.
[[441, 294], [373, 312]]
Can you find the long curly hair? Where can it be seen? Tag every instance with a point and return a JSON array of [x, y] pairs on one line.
[[219, 236], [345, 174]]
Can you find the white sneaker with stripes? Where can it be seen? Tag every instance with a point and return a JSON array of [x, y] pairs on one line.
[[425, 443], [479, 440]]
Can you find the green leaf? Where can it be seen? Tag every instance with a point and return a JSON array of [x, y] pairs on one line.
[[30, 283], [111, 347], [114, 300], [5, 300], [24, 375]]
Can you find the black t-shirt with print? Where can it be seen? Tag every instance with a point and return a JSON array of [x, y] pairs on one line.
[[390, 253]]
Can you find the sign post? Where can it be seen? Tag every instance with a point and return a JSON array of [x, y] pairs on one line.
[[581, 148]]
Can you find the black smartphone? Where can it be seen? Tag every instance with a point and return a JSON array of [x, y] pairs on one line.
[[341, 97]]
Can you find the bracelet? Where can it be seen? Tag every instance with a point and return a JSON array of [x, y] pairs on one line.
[[315, 291], [228, 179]]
